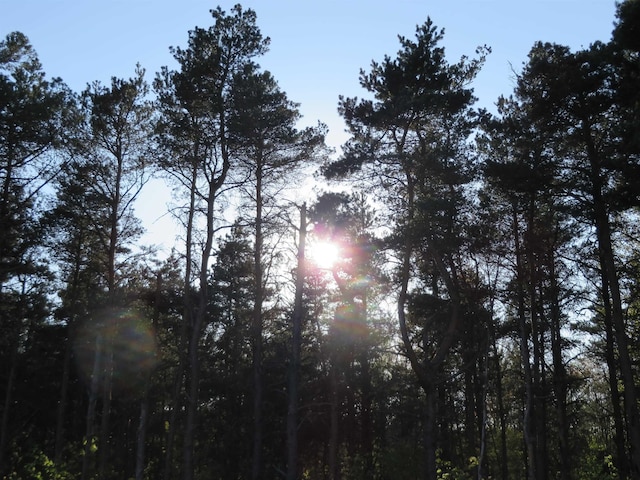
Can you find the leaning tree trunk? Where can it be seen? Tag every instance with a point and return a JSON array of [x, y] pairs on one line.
[[622, 342], [426, 371], [608, 267]]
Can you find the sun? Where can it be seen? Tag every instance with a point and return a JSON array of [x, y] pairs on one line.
[[324, 254]]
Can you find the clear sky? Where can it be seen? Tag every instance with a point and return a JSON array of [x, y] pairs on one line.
[[317, 46]]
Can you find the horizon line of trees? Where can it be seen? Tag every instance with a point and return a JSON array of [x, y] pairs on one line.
[[482, 319]]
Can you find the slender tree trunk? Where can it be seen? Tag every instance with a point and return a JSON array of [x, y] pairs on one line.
[[188, 468], [141, 437], [538, 423], [367, 440], [624, 357], [256, 331], [424, 378], [4, 212], [469, 397], [622, 463], [430, 443], [62, 404], [104, 444], [114, 240], [484, 414], [538, 379], [504, 463], [610, 272], [334, 425], [178, 382], [91, 408], [499, 396], [559, 375], [426, 372], [296, 343], [258, 422], [66, 369], [540, 396], [192, 390], [185, 329], [8, 400], [193, 387], [144, 402], [525, 359]]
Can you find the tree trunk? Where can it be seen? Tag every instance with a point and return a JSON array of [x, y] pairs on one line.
[[609, 273], [527, 422], [296, 342], [144, 403], [187, 313], [430, 438], [608, 267], [104, 444], [256, 332], [62, 404], [469, 379], [484, 414], [141, 437], [502, 415], [532, 281], [8, 400], [559, 375], [367, 440], [334, 426], [114, 241], [192, 388], [622, 341], [621, 461], [91, 408], [193, 384]]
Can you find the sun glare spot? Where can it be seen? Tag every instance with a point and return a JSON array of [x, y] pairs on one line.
[[324, 254]]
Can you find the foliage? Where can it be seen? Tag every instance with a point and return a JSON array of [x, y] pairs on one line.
[[35, 465], [479, 321]]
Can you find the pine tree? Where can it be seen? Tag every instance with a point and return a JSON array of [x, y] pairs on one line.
[[194, 133], [411, 140]]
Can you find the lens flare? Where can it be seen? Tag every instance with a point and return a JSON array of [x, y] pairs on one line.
[[118, 346], [350, 324]]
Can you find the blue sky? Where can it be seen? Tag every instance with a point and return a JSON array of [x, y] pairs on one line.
[[317, 46]]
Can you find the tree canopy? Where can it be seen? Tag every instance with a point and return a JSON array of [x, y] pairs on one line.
[[478, 317]]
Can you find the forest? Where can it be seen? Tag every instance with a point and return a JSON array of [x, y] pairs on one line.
[[474, 312]]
